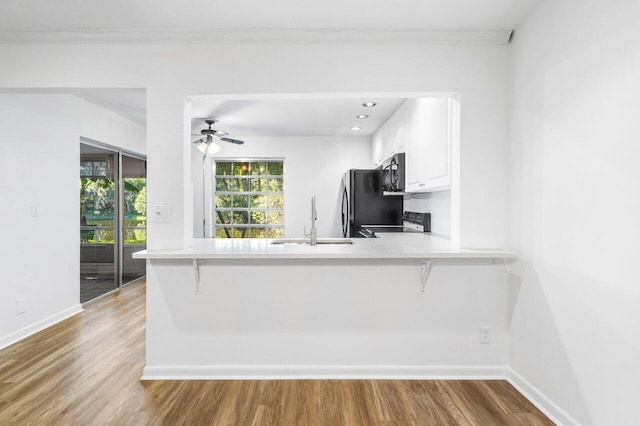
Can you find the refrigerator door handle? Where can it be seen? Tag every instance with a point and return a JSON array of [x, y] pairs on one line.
[[345, 212]]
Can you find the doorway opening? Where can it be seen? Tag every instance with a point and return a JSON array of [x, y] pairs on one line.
[[112, 219]]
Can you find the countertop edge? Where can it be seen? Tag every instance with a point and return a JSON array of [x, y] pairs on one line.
[[393, 246], [275, 256]]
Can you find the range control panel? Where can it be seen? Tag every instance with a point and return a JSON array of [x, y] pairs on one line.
[[420, 222]]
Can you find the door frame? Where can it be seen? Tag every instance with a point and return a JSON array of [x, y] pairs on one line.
[[119, 234]]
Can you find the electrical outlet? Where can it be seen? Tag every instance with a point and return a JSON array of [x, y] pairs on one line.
[[35, 211], [485, 335], [21, 306]]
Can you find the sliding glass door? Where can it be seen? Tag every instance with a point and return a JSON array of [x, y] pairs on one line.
[[98, 222], [113, 195], [134, 215]]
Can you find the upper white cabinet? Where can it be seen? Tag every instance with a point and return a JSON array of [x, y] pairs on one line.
[[428, 150], [423, 128], [391, 137], [377, 155], [400, 131]]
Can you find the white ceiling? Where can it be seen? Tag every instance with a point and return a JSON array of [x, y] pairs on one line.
[[292, 117], [129, 103], [385, 15]]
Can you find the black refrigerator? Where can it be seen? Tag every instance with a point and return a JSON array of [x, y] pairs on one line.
[[363, 202]]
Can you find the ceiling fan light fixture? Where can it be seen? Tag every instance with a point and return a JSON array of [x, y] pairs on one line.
[[203, 147], [212, 149], [207, 143]]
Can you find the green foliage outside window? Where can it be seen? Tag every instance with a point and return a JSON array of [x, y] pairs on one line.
[[97, 208], [249, 199]]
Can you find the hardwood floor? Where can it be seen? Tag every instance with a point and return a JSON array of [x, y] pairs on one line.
[[86, 371]]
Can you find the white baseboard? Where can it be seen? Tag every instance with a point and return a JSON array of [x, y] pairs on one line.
[[539, 399], [27, 331], [299, 372]]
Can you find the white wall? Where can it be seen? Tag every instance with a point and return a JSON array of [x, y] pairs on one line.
[[171, 72], [347, 317], [107, 127], [39, 164], [312, 164], [575, 206]]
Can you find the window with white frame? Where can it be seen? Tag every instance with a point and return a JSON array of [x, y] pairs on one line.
[[249, 198]]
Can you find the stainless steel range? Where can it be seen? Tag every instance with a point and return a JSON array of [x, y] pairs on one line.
[[411, 222]]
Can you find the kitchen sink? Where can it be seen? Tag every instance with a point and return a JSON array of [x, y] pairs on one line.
[[306, 241]]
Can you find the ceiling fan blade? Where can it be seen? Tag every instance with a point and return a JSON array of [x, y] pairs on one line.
[[196, 134], [199, 140], [236, 141]]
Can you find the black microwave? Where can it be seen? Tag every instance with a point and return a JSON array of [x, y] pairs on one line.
[[393, 173]]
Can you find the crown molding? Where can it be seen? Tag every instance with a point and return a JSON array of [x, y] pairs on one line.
[[251, 35]]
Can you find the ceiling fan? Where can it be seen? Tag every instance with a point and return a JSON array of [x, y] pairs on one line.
[[207, 144]]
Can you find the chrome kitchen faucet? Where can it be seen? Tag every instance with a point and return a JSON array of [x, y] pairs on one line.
[[313, 234]]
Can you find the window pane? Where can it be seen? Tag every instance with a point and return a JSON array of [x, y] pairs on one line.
[[86, 168], [240, 218], [258, 185], [258, 217], [241, 185], [223, 201], [224, 184], [275, 217], [275, 185], [259, 168], [223, 217], [232, 185], [258, 201], [258, 232], [241, 168], [240, 201], [105, 236], [275, 233], [221, 232], [240, 233], [223, 167], [275, 201], [135, 236], [93, 168], [274, 168], [99, 168], [240, 190]]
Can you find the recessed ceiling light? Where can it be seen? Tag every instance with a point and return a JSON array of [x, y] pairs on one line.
[[356, 128], [369, 104], [362, 116]]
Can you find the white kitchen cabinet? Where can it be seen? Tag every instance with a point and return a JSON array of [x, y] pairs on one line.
[[391, 137], [377, 149], [398, 132], [428, 152]]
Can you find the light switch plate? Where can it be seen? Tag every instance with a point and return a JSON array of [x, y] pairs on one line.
[[21, 306], [485, 335], [162, 213]]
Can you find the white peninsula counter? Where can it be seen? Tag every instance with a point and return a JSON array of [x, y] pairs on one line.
[[387, 246], [402, 305]]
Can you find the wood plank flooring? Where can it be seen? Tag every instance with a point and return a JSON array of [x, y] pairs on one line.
[[86, 371]]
